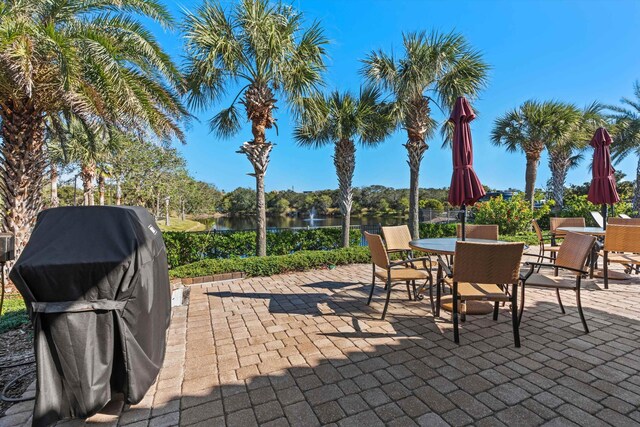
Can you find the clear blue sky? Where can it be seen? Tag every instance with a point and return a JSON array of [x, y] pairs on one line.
[[574, 51]]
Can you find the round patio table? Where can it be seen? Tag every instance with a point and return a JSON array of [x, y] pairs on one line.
[[592, 231], [447, 246], [599, 233]]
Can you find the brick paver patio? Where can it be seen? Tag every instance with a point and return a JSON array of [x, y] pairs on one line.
[[304, 349]]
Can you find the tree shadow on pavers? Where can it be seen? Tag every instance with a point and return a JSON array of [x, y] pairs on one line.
[[340, 299], [419, 375]]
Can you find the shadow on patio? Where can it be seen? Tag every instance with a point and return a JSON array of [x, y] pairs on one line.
[[305, 350]]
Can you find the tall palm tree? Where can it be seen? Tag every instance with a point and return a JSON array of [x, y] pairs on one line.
[[530, 128], [627, 135], [340, 119], [565, 153], [94, 60], [265, 47], [442, 65]]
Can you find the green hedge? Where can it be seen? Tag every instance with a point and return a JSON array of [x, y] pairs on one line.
[[274, 264], [184, 248], [433, 230]]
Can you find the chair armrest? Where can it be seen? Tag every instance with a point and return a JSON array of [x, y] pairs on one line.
[[538, 256], [446, 268], [542, 264]]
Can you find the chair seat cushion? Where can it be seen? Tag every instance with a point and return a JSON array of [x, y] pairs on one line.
[[551, 248], [624, 258], [402, 274], [481, 292], [544, 281]]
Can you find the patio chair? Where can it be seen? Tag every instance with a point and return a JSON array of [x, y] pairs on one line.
[[597, 216], [621, 246], [396, 239], [473, 231], [484, 272], [544, 247], [392, 272], [623, 221], [556, 223], [572, 257]]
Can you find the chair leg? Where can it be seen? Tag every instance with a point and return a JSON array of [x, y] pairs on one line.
[[605, 269], [579, 304], [514, 316], [521, 304], [409, 291], [560, 301], [415, 290], [373, 285], [386, 303], [456, 334], [496, 307]]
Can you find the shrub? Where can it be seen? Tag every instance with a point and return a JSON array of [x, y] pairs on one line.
[[274, 264], [512, 216], [432, 230], [184, 248], [579, 206]]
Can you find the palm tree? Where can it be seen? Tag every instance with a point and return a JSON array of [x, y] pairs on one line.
[[340, 119], [566, 153], [627, 135], [263, 46], [94, 60], [530, 128], [441, 64]]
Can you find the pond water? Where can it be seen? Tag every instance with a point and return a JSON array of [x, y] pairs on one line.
[[248, 223]]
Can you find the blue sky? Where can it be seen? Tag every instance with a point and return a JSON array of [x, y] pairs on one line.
[[574, 51]]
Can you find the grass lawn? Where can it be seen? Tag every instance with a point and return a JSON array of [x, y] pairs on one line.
[[179, 225], [14, 313]]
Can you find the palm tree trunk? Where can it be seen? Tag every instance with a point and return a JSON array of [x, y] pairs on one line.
[[259, 104], [415, 151], [101, 185], [258, 155], [182, 213], [23, 165], [559, 165], [533, 158], [636, 189], [55, 200], [344, 160], [88, 176], [158, 205]]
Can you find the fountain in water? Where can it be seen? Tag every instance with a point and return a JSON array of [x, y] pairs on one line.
[[312, 216]]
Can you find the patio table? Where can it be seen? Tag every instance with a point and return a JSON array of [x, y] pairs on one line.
[[442, 246]]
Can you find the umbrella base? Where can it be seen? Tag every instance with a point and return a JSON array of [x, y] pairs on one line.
[[473, 307], [613, 275]]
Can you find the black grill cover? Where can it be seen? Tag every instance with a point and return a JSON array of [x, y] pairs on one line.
[[95, 280]]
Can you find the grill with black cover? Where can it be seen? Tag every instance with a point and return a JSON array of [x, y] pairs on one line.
[[95, 281]]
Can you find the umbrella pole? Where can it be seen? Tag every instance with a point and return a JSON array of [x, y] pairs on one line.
[[604, 216], [464, 221]]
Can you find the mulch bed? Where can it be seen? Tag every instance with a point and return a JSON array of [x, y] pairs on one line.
[[16, 346]]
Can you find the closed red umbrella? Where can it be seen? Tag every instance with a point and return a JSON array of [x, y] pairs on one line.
[[603, 184], [465, 187]]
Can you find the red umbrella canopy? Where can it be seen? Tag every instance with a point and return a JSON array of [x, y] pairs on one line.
[[465, 186], [603, 185]]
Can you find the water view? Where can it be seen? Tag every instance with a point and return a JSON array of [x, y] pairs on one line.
[[249, 223]]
